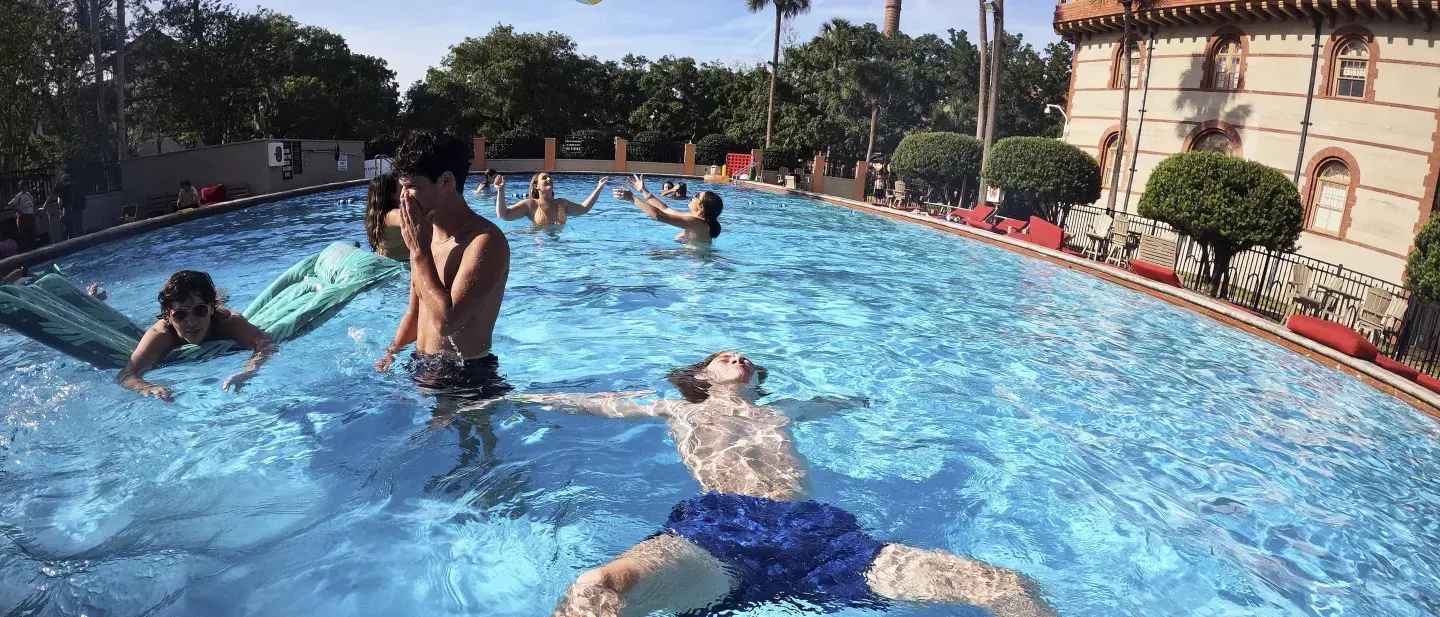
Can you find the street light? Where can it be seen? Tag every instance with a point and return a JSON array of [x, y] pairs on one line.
[[1065, 132]]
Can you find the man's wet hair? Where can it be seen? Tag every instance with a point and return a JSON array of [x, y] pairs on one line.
[[431, 154], [692, 388], [185, 284]]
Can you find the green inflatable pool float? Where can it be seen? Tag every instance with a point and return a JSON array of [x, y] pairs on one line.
[[50, 310]]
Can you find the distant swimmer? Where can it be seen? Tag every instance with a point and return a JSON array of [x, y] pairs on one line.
[[540, 205], [700, 225]]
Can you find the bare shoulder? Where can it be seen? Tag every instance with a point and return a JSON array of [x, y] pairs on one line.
[[489, 241]]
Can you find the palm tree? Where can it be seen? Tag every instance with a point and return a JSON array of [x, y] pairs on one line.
[[892, 17], [874, 80], [784, 9], [984, 89], [1130, 6], [993, 96]]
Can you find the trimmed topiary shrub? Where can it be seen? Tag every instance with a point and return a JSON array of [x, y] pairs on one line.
[[711, 149], [1226, 204], [1049, 174], [516, 144], [1422, 270], [938, 162], [652, 147], [588, 144]]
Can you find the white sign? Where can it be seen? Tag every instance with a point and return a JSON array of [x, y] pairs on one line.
[[992, 194], [342, 163], [275, 153]]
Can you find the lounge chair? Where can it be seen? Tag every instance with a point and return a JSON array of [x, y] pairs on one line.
[[1302, 289], [1003, 225], [1381, 314], [1157, 260], [1041, 232], [977, 217], [1098, 234]]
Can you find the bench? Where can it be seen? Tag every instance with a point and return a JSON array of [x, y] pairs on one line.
[[159, 206]]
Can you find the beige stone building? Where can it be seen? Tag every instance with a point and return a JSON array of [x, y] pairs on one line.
[[1235, 76]]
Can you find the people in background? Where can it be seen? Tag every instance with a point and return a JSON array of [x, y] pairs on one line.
[[382, 218], [879, 186], [700, 225], [191, 312], [488, 182], [755, 535], [22, 204], [666, 189], [188, 198], [676, 190], [541, 206], [70, 198]]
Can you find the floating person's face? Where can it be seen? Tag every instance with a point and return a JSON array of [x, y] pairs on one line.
[[423, 192], [191, 319], [730, 368]]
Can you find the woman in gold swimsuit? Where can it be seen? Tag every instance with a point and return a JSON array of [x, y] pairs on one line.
[[542, 207], [382, 218]]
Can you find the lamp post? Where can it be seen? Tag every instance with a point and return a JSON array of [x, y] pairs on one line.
[[1064, 132]]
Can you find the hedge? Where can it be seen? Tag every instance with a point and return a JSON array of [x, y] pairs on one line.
[[588, 144], [652, 147], [1422, 271], [516, 144], [938, 161], [1048, 173], [711, 149]]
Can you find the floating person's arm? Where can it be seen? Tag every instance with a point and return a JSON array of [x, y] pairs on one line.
[[656, 209], [248, 336], [818, 407], [574, 209], [484, 264], [511, 213], [911, 574], [605, 405], [157, 342], [404, 335]]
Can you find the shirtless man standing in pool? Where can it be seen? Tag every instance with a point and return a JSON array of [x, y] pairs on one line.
[[754, 536], [459, 263]]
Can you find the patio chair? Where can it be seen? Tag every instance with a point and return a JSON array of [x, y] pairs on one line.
[[977, 217], [1098, 234], [1121, 241], [1007, 226], [1157, 260], [1381, 314], [1302, 289], [896, 196], [1044, 233]]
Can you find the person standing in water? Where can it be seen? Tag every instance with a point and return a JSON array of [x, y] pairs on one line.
[[382, 218], [541, 206], [754, 536], [487, 182], [700, 225], [190, 312]]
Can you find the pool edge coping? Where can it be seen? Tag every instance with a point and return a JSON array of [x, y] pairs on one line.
[[1368, 373], [69, 246]]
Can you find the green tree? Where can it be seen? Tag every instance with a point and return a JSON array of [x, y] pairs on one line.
[[1226, 204], [939, 162], [784, 9], [1422, 270], [42, 56], [711, 149], [1049, 174]]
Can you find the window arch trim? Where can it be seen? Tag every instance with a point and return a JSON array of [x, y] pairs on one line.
[[1212, 49], [1213, 126], [1331, 62], [1312, 188], [1117, 73]]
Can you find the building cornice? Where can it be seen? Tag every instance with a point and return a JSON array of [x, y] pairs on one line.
[[1076, 19]]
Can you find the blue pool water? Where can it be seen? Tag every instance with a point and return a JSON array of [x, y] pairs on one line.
[[1134, 458]]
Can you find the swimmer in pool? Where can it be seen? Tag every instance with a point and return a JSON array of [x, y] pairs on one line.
[[190, 312], [700, 225], [754, 536], [541, 206], [674, 191], [487, 182]]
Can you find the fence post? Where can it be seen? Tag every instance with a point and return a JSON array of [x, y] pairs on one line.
[[549, 154], [758, 173], [1264, 282], [479, 163], [817, 179], [620, 145], [689, 159], [862, 173]]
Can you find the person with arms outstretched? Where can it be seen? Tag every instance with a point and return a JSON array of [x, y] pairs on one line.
[[191, 312], [700, 225], [541, 206], [755, 536]]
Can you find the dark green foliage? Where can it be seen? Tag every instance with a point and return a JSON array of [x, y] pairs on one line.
[[1226, 204], [652, 147], [1422, 271], [938, 162], [712, 148], [516, 144], [1048, 173], [588, 144]]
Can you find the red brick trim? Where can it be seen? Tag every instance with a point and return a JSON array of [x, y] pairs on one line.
[[1229, 130], [1320, 158], [1431, 190], [1222, 34], [1328, 61], [1105, 170], [1116, 69], [1264, 129], [1423, 108]]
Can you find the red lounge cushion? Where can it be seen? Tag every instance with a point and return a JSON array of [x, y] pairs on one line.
[[1396, 367], [1159, 274], [1043, 233], [978, 215], [1429, 383], [1006, 226], [212, 194], [1334, 336], [960, 213], [980, 225]]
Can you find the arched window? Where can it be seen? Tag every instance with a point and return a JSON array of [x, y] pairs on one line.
[[1225, 65], [1117, 79], [1108, 156], [1352, 68], [1332, 187], [1213, 140]]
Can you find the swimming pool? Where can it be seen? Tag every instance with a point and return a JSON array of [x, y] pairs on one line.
[[1132, 456]]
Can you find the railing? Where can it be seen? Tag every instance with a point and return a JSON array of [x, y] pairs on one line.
[[576, 147], [39, 181], [839, 170]]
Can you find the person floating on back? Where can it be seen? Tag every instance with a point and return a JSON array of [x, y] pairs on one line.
[[700, 225], [191, 312], [754, 535], [541, 205], [459, 261]]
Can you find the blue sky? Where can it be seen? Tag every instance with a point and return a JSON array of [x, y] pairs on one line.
[[416, 35]]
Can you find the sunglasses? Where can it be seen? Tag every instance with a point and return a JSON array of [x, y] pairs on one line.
[[200, 312]]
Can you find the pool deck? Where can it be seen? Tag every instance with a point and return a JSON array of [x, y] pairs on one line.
[[1379, 378]]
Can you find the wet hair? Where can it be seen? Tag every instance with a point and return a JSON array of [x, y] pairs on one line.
[[185, 284], [185, 183], [681, 189], [692, 388], [383, 197], [710, 208], [431, 154], [535, 182], [668, 185]]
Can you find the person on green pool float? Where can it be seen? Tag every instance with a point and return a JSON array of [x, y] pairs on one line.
[[190, 313]]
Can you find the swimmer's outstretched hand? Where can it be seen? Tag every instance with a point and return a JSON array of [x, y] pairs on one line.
[[499, 183], [623, 194], [158, 392], [637, 182], [383, 364], [603, 181], [238, 380]]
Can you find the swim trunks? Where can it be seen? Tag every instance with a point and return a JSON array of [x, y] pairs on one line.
[[473, 381], [775, 549]]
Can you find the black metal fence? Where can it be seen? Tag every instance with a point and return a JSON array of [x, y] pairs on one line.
[[840, 170], [38, 181]]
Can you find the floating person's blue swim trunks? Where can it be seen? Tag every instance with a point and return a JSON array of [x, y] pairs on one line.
[[776, 549]]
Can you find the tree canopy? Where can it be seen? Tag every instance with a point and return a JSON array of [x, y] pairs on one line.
[[1422, 270], [939, 161], [1047, 173]]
